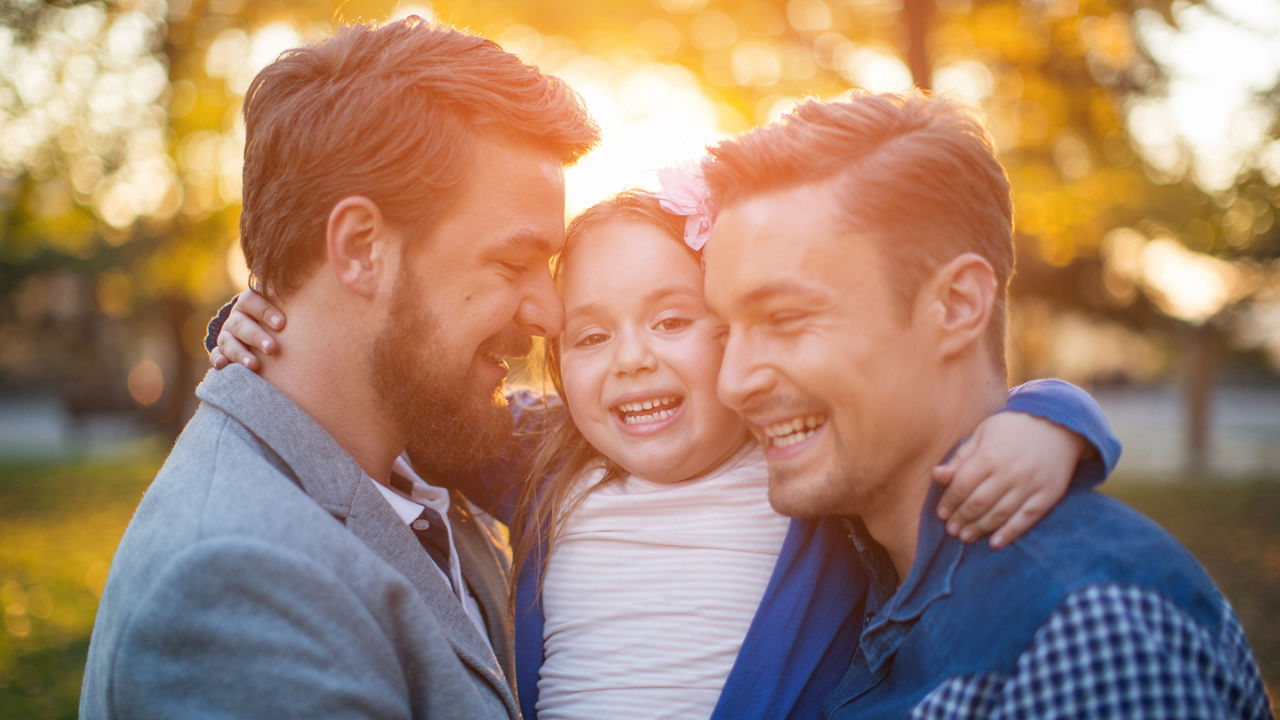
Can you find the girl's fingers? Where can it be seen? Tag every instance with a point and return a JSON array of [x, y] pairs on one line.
[[964, 482], [218, 360], [975, 505], [962, 476], [236, 352], [942, 474], [1022, 520], [247, 330], [257, 307], [994, 518]]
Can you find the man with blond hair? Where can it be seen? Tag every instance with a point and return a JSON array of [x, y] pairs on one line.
[[859, 262], [300, 554]]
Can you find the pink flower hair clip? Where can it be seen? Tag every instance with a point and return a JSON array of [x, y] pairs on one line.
[[684, 192]]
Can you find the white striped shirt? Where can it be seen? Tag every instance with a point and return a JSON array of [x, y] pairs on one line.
[[650, 589]]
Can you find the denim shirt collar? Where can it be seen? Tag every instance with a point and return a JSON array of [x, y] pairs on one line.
[[891, 614]]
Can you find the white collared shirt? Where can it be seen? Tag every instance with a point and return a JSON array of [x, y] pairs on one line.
[[436, 498]]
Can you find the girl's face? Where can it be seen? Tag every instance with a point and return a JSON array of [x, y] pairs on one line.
[[639, 356]]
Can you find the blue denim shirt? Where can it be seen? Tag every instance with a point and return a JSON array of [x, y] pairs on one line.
[[967, 612]]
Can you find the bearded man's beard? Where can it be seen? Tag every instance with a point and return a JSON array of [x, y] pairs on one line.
[[449, 423]]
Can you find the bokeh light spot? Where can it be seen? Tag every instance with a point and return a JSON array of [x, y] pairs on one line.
[[146, 383]]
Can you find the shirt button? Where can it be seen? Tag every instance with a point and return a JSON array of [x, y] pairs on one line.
[[420, 524]]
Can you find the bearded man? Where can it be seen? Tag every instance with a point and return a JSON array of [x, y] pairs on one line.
[[403, 190]]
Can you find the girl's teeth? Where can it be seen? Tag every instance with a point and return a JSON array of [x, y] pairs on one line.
[[646, 411], [633, 407], [651, 417]]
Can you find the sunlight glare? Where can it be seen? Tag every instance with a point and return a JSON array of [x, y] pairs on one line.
[[756, 63], [1190, 286], [82, 23], [265, 45], [650, 115], [968, 80], [809, 15], [127, 39], [876, 71], [225, 52], [1221, 60]]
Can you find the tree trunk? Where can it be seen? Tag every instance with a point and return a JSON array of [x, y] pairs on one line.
[[173, 415], [1200, 360], [919, 15]]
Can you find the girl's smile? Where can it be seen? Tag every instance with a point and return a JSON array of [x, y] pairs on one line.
[[639, 354], [647, 416]]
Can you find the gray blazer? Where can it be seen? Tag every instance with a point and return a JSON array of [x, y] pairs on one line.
[[263, 576]]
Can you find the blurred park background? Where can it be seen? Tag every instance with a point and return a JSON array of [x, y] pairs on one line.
[[1142, 138]]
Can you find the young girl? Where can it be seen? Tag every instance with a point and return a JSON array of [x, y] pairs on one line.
[[653, 578]]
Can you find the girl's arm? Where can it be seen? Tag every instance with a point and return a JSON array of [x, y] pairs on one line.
[[1020, 462], [1014, 468]]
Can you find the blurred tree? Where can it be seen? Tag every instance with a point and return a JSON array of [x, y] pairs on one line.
[[120, 146], [1111, 223], [120, 173]]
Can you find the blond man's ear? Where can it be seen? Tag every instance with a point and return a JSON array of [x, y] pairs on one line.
[[957, 302]]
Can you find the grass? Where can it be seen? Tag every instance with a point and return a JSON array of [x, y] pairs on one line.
[[60, 523]]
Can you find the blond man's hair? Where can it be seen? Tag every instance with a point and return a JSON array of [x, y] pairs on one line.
[[916, 172]]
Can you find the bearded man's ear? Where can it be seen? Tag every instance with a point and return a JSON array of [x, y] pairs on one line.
[[356, 245]]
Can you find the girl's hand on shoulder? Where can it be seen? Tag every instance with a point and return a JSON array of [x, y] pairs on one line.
[[248, 332], [1007, 476]]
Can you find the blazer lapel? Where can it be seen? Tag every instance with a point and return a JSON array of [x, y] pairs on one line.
[[487, 571], [331, 477]]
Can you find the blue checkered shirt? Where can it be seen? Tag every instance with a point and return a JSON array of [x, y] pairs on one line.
[[1112, 651]]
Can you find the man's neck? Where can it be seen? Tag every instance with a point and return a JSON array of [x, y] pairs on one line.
[[328, 376], [894, 518]]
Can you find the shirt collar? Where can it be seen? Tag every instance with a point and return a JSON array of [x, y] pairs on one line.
[[437, 498], [409, 506], [937, 556], [407, 509]]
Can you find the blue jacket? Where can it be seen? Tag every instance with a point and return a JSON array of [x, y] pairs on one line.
[[970, 628], [811, 616]]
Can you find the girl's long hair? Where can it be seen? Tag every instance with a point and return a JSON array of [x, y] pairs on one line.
[[563, 455]]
